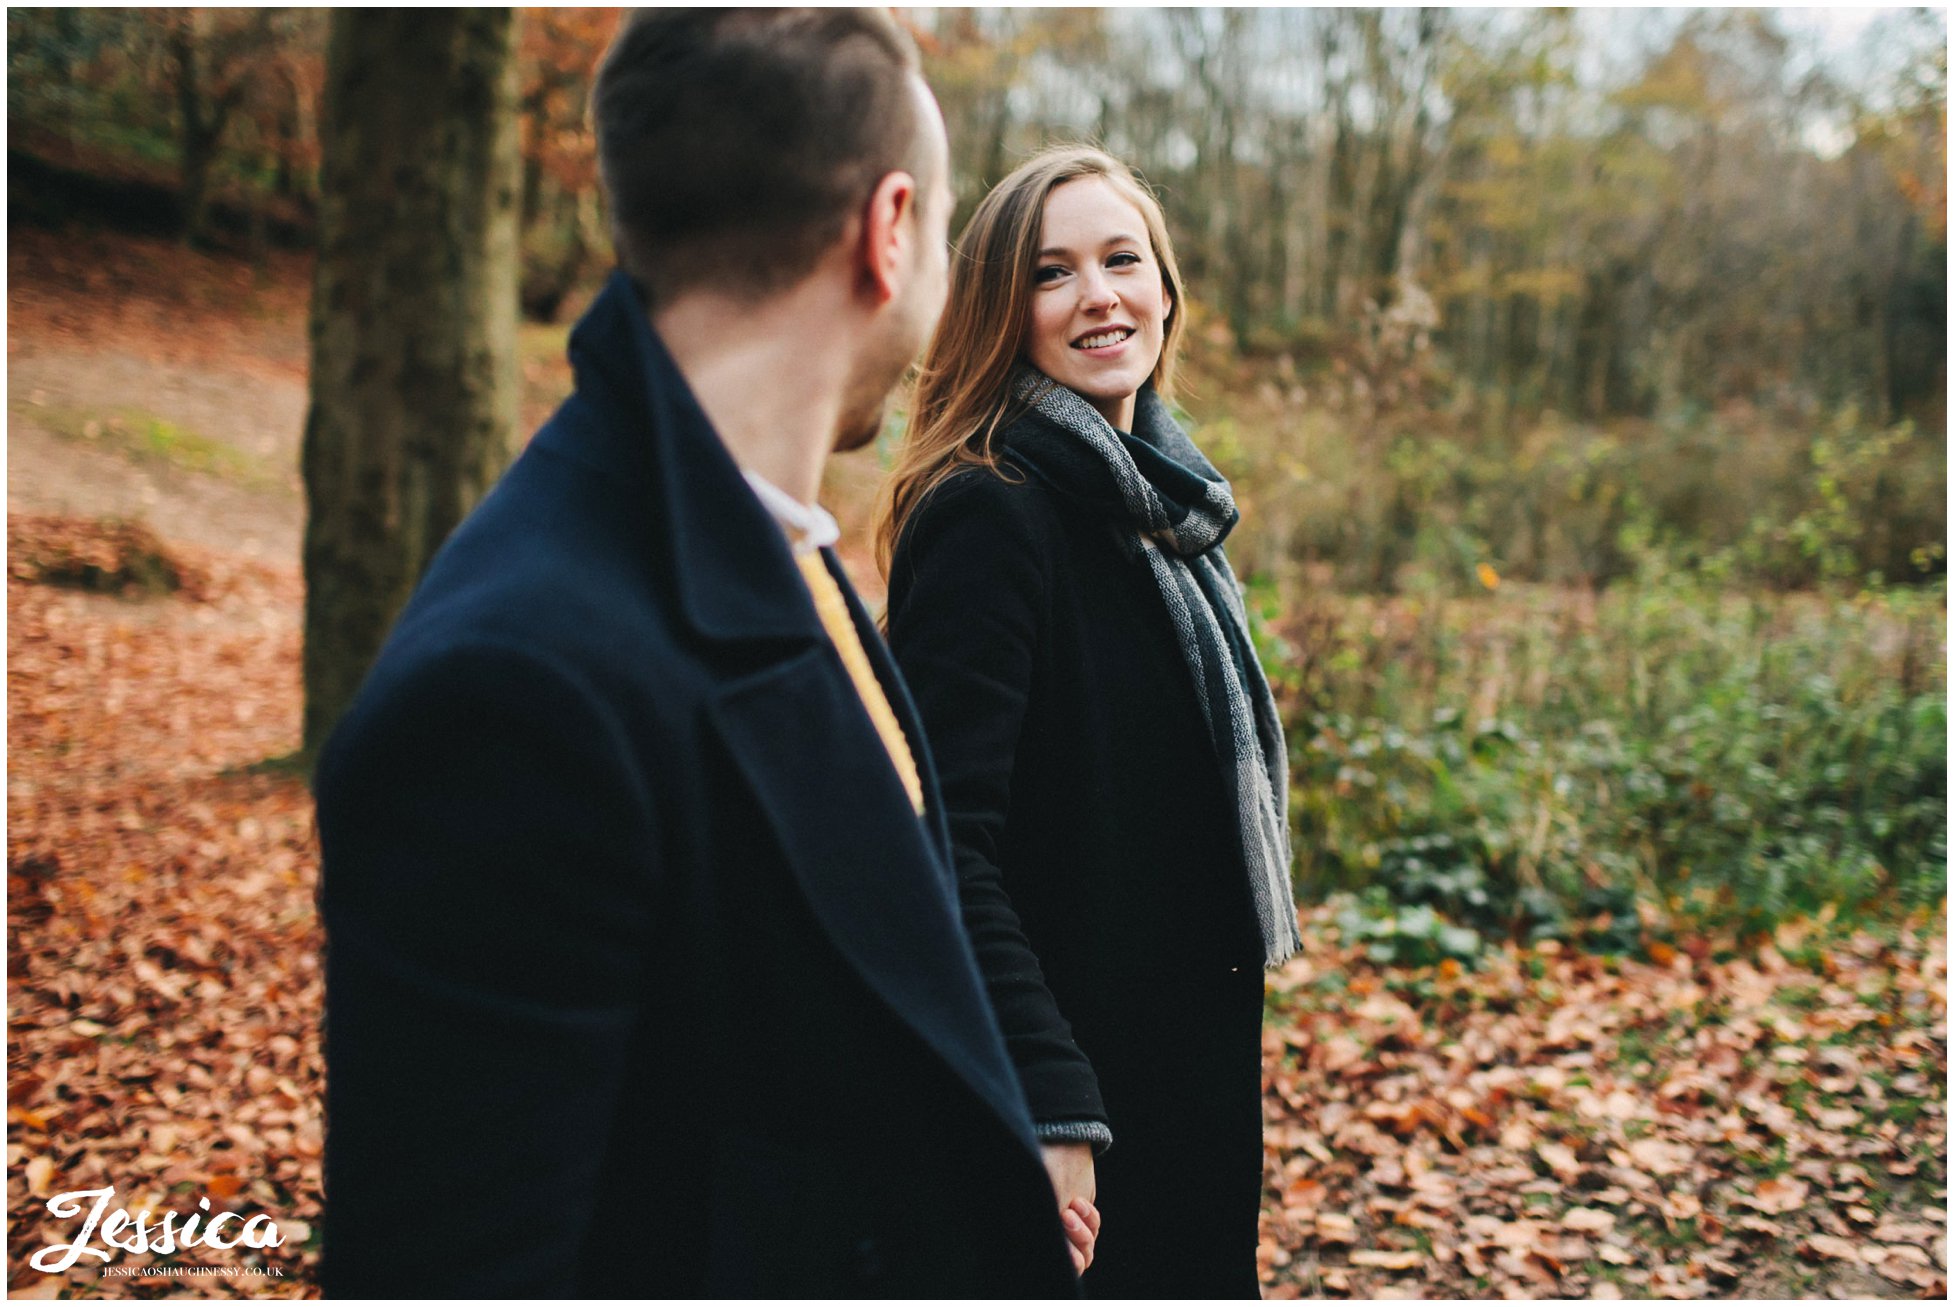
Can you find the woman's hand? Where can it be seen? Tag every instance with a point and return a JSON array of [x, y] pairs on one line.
[[1070, 1167], [1081, 1220]]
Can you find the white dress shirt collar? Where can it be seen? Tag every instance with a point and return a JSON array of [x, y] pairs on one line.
[[808, 526]]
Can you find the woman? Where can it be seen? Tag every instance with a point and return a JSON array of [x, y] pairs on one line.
[[1110, 759]]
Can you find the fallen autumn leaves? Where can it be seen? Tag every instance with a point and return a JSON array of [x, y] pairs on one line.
[[164, 996], [1557, 1125], [1551, 1125]]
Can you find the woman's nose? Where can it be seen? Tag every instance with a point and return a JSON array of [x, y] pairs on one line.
[[1096, 294]]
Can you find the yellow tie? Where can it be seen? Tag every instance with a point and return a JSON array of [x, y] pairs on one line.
[[833, 610]]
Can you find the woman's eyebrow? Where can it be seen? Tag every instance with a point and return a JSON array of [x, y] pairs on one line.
[[1050, 252]]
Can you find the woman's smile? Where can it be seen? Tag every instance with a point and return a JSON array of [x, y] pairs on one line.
[[1104, 344]]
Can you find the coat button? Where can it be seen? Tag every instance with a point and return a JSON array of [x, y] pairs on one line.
[[868, 1260]]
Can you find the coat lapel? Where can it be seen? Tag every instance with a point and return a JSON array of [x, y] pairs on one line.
[[735, 579], [799, 735]]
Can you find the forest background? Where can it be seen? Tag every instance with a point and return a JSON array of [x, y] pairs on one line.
[[1581, 376]]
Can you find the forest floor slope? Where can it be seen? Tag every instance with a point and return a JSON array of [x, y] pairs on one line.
[[1700, 1122]]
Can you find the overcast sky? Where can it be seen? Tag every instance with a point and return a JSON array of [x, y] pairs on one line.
[[1862, 48]]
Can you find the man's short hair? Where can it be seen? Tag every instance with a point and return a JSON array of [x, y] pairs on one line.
[[735, 143]]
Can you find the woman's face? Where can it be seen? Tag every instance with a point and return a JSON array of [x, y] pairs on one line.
[[1098, 305]]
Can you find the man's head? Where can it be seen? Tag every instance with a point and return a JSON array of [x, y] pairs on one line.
[[741, 147], [902, 266]]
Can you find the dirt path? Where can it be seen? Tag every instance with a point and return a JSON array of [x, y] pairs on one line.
[[155, 384], [56, 473]]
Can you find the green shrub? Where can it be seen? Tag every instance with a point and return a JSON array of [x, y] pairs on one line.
[[1544, 763]]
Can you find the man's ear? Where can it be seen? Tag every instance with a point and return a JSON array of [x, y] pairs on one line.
[[889, 227]]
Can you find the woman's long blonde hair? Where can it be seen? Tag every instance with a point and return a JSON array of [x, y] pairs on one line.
[[962, 397]]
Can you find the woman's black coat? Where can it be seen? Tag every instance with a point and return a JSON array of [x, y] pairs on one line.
[[1099, 868]]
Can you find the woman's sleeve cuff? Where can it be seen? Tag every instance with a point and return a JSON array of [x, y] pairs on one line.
[[1095, 1133]]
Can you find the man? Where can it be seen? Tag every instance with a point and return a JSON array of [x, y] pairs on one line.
[[645, 974]]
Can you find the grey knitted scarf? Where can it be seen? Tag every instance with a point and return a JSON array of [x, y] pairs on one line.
[[1172, 510]]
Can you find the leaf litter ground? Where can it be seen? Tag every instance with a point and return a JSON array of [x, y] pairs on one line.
[[1559, 1125], [1764, 1123]]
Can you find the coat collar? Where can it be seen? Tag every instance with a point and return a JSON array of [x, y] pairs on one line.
[[734, 574]]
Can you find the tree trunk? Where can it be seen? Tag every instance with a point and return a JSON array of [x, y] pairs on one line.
[[193, 184], [200, 127], [414, 373]]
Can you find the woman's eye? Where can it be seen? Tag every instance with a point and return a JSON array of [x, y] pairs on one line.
[[1124, 259], [1050, 272]]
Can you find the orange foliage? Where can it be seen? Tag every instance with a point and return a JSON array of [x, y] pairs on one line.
[[558, 53]]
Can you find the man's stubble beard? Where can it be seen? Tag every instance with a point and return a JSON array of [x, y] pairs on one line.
[[861, 423], [866, 405]]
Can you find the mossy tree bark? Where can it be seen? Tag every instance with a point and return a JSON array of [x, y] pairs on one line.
[[414, 370]]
